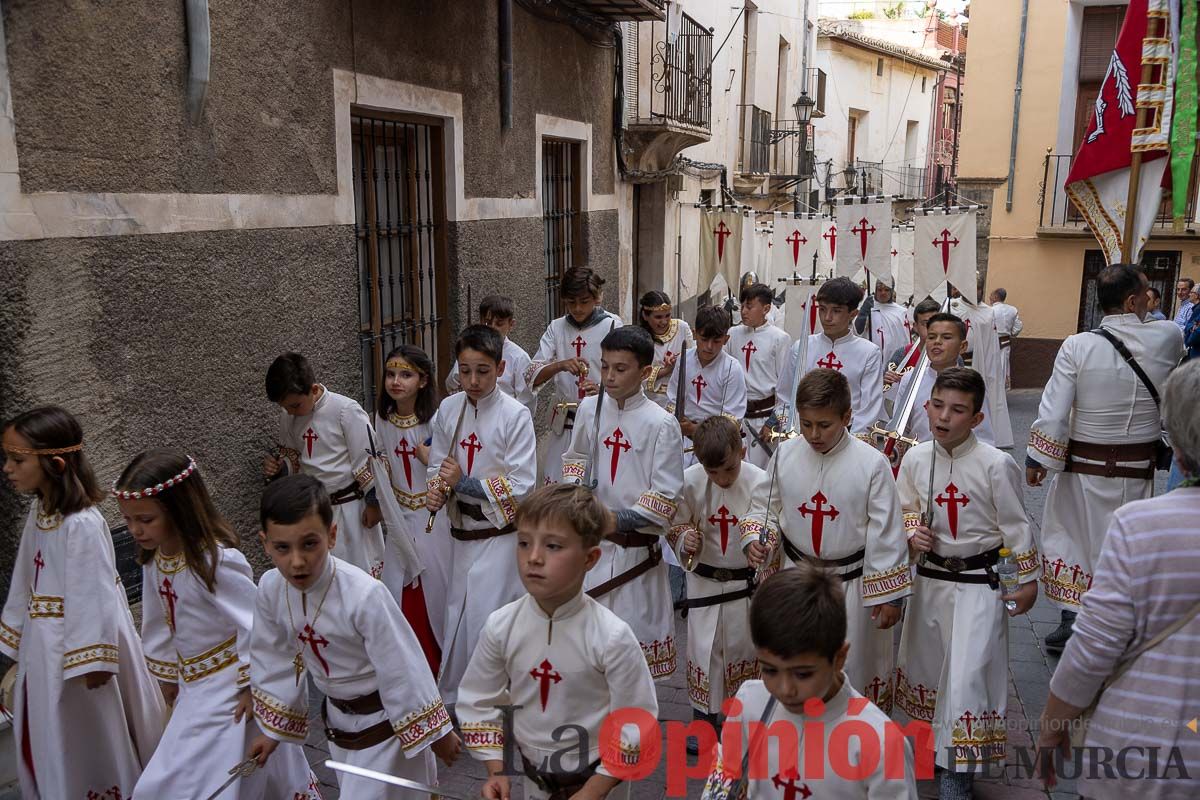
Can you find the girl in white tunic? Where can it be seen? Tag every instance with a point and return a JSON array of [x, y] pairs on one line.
[[198, 604], [669, 336], [404, 426], [569, 353], [87, 713]]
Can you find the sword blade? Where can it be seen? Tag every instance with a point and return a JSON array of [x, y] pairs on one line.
[[453, 440], [237, 772], [680, 391], [383, 777], [589, 476]]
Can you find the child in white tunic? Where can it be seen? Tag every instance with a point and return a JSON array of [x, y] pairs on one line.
[[788, 736], [198, 604], [317, 613], [325, 434], [706, 534], [887, 325], [404, 426], [715, 380], [631, 456], [570, 354], [499, 312], [87, 714], [484, 452], [832, 501], [762, 349], [670, 336], [952, 670], [558, 659]]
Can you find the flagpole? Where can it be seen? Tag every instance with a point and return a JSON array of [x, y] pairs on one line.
[[1135, 162]]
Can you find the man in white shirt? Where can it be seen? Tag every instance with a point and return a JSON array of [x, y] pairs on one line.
[[1008, 325]]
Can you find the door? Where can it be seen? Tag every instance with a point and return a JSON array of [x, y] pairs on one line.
[[1160, 266]]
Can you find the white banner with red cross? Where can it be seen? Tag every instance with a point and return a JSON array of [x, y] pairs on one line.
[[720, 246], [865, 234], [793, 244], [902, 264], [944, 250]]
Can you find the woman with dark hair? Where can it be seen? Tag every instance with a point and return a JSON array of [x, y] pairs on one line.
[[669, 334]]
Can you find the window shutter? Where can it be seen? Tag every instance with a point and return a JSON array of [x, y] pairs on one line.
[[1100, 28]]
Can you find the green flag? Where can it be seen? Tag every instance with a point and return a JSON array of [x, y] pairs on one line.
[[1183, 132]]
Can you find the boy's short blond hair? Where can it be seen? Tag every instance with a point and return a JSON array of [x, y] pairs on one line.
[[571, 505]]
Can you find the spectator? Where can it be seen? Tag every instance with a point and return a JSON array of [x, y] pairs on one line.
[[1155, 309], [1191, 330], [1183, 290], [1145, 583]]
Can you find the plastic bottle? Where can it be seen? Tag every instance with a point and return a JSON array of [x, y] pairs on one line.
[[1006, 570]]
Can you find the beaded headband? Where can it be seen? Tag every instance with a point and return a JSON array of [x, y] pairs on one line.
[[400, 363], [150, 491], [663, 307], [44, 451]]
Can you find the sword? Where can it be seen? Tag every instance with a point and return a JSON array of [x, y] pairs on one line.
[[453, 439], [383, 777], [890, 437], [763, 536], [589, 479], [789, 432], [242, 770], [927, 514], [680, 392], [759, 440]]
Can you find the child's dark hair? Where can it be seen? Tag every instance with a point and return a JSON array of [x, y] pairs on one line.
[[956, 321], [289, 374], [712, 322], [427, 399], [824, 388], [481, 339], [757, 291], [496, 308], [189, 507], [962, 379], [580, 282], [840, 292], [715, 439], [72, 487], [631, 339], [651, 301], [569, 505], [799, 611], [289, 499], [926, 306]]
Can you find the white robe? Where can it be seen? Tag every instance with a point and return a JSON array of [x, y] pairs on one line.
[[888, 326], [720, 654], [563, 339], [513, 382], [640, 469], [1093, 396], [853, 356], [830, 505], [331, 444], [1008, 323], [894, 777], [983, 347], [496, 446], [952, 668], [918, 422], [763, 353], [66, 617], [350, 636], [399, 438], [200, 641], [570, 670], [670, 342], [719, 388]]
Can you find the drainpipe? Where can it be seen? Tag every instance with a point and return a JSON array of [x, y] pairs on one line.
[[506, 64], [1016, 123], [199, 56]]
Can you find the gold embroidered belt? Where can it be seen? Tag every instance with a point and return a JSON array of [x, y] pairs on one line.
[[209, 662]]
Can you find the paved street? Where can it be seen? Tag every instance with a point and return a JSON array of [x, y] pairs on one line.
[[1031, 667]]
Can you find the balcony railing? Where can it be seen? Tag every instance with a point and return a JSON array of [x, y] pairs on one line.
[[791, 150], [755, 150], [667, 73], [1059, 212]]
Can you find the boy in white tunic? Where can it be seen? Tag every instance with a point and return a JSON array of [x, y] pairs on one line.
[[483, 460], [831, 500], [555, 658], [887, 325], [715, 380], [498, 311], [670, 336], [325, 434], [762, 349], [320, 614], [569, 353], [838, 348], [953, 665], [786, 737], [631, 456], [905, 358], [717, 496], [983, 355]]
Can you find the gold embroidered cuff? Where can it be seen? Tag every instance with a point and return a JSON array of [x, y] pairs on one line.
[[658, 505], [165, 671], [1053, 449], [501, 494], [878, 587], [278, 718], [421, 726], [92, 654], [482, 736]]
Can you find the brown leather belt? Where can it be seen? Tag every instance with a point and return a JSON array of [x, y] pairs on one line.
[[367, 704], [471, 510], [558, 785], [724, 574], [1005, 340], [634, 539], [464, 535], [1113, 456], [857, 556], [639, 569], [756, 409], [347, 494], [378, 733]]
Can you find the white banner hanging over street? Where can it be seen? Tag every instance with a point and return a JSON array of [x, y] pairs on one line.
[[720, 246], [944, 250], [902, 264], [865, 230], [793, 244]]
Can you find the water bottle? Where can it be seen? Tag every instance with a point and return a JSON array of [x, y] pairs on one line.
[[1006, 570]]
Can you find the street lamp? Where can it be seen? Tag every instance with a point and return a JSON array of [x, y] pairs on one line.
[[804, 107], [850, 174]]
